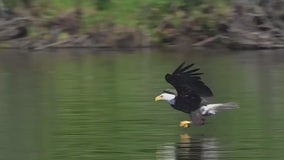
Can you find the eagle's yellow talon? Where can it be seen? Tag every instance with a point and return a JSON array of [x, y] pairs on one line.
[[184, 124]]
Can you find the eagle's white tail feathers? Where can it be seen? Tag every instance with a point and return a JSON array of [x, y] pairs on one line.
[[198, 116], [212, 109]]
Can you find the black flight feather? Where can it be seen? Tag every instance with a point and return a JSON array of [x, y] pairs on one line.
[[186, 68], [178, 68], [193, 70]]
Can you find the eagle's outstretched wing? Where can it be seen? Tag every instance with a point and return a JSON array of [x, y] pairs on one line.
[[189, 88], [185, 80]]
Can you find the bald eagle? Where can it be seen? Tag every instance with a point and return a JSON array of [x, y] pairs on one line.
[[189, 95]]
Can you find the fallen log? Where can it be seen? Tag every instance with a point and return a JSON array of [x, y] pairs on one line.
[[51, 45], [14, 21], [206, 41]]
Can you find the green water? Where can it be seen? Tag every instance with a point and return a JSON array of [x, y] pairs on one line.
[[93, 105]]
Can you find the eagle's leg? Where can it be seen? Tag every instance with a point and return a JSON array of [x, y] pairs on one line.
[[184, 124]]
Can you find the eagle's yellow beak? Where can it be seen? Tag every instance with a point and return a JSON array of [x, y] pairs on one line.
[[158, 98]]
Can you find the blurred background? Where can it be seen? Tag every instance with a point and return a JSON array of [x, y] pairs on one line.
[[78, 78]]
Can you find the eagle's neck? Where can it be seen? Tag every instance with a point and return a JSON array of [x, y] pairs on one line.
[[170, 98], [172, 101]]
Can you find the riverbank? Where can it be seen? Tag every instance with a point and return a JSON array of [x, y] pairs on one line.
[[162, 23]]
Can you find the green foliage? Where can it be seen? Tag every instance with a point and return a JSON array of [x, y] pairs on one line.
[[102, 4], [11, 3], [146, 14], [15, 3], [205, 14]]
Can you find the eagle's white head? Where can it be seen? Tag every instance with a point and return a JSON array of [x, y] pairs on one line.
[[166, 97]]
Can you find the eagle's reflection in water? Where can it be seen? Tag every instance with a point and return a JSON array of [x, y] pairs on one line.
[[189, 148]]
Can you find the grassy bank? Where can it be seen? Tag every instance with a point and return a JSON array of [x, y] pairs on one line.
[[125, 12], [148, 15]]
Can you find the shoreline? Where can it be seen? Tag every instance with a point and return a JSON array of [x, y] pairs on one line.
[[246, 26]]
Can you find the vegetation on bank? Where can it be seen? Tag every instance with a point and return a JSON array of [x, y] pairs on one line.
[[127, 12], [161, 21]]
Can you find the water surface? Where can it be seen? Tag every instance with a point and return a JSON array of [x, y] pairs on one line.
[[89, 104]]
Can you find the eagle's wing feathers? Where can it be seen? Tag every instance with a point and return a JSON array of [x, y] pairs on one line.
[[188, 81]]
